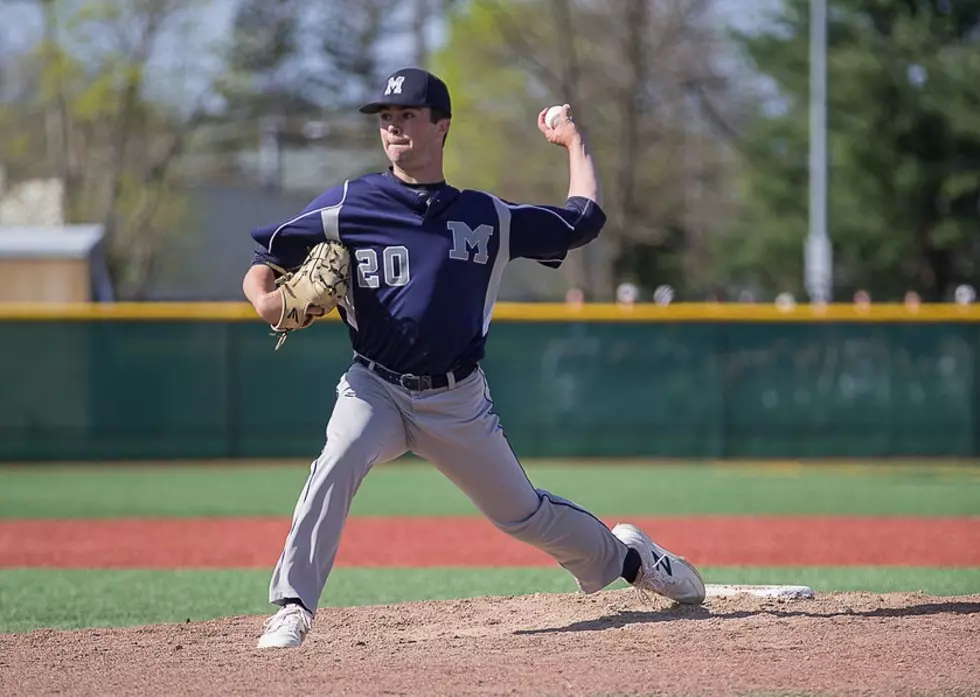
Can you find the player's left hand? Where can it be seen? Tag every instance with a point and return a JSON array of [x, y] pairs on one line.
[[565, 132], [314, 289]]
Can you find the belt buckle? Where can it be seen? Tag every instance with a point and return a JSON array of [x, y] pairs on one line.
[[421, 382], [409, 381]]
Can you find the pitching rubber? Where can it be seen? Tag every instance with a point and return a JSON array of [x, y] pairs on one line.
[[783, 592]]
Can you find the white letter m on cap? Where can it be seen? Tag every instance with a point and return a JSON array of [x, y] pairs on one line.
[[394, 85]]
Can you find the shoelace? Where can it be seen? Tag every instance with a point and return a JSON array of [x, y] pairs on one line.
[[283, 617], [658, 580]]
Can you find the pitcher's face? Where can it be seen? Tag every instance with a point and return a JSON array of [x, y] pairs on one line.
[[409, 137]]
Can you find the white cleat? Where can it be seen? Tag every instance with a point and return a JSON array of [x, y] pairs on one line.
[[661, 572], [287, 628]]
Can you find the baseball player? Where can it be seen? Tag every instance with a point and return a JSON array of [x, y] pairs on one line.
[[426, 261]]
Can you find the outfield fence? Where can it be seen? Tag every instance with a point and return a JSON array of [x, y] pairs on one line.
[[152, 381]]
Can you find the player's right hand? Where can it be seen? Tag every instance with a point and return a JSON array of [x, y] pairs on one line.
[[565, 133]]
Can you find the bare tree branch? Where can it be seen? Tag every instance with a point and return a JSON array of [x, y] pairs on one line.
[[521, 48]]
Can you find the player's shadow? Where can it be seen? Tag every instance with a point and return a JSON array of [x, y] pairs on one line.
[[628, 617]]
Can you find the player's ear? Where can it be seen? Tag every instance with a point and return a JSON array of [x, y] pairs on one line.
[[441, 120]]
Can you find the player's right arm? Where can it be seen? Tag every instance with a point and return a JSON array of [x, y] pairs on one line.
[[583, 179], [283, 246], [547, 233]]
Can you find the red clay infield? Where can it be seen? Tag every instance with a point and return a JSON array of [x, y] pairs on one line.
[[256, 542]]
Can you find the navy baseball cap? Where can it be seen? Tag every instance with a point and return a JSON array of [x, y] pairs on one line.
[[412, 87]]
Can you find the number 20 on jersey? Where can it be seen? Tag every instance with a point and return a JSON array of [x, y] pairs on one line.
[[468, 245]]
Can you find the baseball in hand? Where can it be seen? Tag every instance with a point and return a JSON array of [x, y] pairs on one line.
[[552, 116]]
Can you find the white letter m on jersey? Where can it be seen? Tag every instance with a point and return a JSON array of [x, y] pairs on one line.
[[465, 239]]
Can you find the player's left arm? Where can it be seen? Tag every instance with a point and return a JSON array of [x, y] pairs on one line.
[[547, 233], [282, 247]]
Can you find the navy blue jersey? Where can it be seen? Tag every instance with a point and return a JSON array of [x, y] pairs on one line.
[[426, 262]]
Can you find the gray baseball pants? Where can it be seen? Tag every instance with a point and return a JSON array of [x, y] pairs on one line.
[[456, 430]]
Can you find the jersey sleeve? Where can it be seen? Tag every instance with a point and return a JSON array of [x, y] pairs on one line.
[[547, 233], [286, 244]]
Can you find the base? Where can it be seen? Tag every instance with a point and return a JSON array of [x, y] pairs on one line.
[[783, 592]]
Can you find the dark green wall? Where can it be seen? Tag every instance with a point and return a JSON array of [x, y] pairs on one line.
[[173, 389]]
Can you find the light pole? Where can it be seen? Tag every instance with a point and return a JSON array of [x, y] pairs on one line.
[[817, 254]]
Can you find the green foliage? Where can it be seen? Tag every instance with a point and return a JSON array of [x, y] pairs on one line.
[[17, 145], [493, 128], [87, 120], [96, 100], [904, 151]]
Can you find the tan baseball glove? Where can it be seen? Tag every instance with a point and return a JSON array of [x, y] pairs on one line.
[[319, 282]]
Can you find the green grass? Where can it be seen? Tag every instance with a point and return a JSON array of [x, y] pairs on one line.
[[410, 488], [34, 598]]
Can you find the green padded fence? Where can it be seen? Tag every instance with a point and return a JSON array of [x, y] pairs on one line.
[[132, 389]]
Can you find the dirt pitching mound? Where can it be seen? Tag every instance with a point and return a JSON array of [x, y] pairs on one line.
[[608, 643]]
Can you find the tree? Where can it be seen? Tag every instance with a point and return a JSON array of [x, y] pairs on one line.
[[636, 74], [904, 149], [353, 34], [298, 68], [263, 74], [112, 145]]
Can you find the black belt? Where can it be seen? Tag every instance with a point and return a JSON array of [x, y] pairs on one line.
[[417, 382]]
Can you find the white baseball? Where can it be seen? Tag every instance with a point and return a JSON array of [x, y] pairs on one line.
[[551, 118]]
